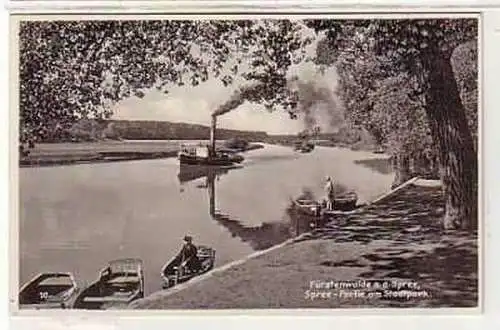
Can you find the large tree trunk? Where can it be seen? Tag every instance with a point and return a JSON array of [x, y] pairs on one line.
[[401, 165], [451, 133]]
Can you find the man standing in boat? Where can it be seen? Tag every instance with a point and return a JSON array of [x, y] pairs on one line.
[[189, 254], [330, 193]]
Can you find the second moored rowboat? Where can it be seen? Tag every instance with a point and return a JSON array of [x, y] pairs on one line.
[[120, 283], [342, 203]]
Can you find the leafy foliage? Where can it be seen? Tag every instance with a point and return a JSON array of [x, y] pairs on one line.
[[381, 76], [359, 78], [398, 38], [77, 69], [465, 60], [383, 102], [402, 118]]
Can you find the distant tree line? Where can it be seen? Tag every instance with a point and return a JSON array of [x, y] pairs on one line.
[[86, 130]]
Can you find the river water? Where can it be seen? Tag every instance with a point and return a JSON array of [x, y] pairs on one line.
[[76, 218]]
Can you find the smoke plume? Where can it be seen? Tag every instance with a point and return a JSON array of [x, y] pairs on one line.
[[318, 104], [237, 99]]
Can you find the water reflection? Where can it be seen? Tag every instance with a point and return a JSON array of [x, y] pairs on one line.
[[259, 237], [193, 172]]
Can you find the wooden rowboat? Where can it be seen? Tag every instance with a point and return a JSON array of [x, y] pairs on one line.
[[120, 283], [304, 147], [343, 203], [174, 273], [48, 291], [308, 206], [346, 202]]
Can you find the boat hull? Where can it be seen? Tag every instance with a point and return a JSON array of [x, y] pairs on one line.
[[117, 286], [100, 296], [347, 203], [209, 161], [344, 203], [308, 207], [304, 147], [49, 291], [172, 275]]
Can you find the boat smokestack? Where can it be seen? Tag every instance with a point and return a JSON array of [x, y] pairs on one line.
[[212, 134]]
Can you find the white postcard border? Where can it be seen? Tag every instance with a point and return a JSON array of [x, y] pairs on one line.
[[487, 136]]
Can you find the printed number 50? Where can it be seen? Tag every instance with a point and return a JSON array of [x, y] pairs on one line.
[[44, 295]]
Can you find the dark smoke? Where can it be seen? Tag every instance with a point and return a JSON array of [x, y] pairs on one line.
[[237, 99], [318, 103]]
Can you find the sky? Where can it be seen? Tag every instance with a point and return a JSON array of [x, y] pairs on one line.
[[194, 105]]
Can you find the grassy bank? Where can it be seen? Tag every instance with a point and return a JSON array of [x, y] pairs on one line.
[[99, 157], [51, 154], [397, 239]]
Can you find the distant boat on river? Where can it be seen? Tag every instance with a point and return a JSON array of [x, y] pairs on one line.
[[304, 146]]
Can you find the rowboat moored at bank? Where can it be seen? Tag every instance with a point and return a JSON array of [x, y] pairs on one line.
[[343, 203], [49, 291], [120, 283]]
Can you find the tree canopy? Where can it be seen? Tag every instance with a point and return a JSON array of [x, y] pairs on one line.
[[423, 49], [77, 69], [387, 102]]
